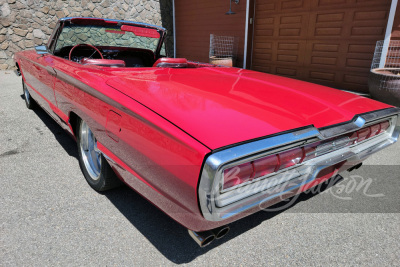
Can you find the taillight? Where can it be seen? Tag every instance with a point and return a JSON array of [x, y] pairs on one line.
[[384, 126], [238, 174], [363, 134], [310, 151], [375, 129], [290, 158], [263, 166]]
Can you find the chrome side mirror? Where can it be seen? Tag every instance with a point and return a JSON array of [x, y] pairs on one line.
[[41, 50]]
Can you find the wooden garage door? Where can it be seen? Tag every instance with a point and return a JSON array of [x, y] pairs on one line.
[[329, 42]]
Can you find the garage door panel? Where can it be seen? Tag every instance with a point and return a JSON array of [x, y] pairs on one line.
[[330, 42], [293, 5]]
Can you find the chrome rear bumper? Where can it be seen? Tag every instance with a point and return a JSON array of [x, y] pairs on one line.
[[217, 205]]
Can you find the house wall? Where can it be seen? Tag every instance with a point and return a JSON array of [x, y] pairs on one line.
[[27, 23], [196, 20]]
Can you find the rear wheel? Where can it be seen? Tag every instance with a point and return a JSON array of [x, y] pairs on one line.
[[30, 103], [95, 168]]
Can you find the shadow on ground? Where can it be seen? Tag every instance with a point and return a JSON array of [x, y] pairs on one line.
[[61, 136], [169, 237]]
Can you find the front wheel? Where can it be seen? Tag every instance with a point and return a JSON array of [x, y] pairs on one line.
[[30, 103], [95, 168]]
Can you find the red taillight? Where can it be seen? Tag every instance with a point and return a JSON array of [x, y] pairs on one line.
[[363, 134], [375, 129], [310, 151], [238, 174], [290, 158], [384, 126], [265, 166], [260, 167]]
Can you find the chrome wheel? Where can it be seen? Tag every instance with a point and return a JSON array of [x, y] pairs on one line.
[[27, 95], [29, 101], [91, 155]]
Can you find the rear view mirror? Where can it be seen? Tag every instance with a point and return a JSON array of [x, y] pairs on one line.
[[41, 49]]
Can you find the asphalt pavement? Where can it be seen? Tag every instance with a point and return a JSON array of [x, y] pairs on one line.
[[50, 216]]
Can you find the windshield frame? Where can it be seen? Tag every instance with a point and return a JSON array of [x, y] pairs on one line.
[[70, 20]]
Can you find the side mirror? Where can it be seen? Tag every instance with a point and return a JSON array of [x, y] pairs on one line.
[[41, 49]]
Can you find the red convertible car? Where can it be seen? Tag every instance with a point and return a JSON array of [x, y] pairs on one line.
[[206, 144]]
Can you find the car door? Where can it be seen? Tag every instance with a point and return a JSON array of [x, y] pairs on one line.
[[43, 77]]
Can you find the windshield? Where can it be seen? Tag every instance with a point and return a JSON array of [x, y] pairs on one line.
[[109, 35]]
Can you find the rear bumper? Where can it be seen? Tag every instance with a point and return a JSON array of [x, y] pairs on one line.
[[218, 206]]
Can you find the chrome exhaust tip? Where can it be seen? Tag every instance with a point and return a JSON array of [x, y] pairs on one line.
[[202, 238], [221, 231]]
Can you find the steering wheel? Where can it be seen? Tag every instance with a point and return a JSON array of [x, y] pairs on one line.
[[91, 46]]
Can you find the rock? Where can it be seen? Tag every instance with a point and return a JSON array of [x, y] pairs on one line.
[[91, 6], [15, 38], [86, 13], [37, 33], [20, 5], [66, 12], [39, 15], [2, 38], [29, 43], [60, 14], [3, 31], [29, 36], [38, 21], [38, 41], [52, 12], [84, 3], [97, 13], [11, 1], [105, 3], [59, 5], [106, 11], [45, 9], [21, 26], [46, 30], [5, 22], [5, 10], [20, 32], [139, 8], [4, 45], [21, 44], [3, 55], [3, 66]]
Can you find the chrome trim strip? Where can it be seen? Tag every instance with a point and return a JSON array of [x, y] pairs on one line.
[[216, 205], [354, 125]]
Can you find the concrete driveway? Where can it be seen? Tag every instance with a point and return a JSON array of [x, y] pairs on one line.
[[50, 216]]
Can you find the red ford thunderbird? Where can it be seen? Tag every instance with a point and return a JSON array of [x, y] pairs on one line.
[[206, 144]]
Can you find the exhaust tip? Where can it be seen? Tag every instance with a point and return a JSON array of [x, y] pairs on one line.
[[202, 238], [221, 232]]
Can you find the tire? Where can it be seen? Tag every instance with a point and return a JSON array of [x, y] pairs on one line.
[[94, 166], [29, 101]]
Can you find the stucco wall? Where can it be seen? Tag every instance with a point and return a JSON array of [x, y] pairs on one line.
[[27, 23]]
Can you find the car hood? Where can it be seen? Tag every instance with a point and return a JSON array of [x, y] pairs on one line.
[[223, 106]]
